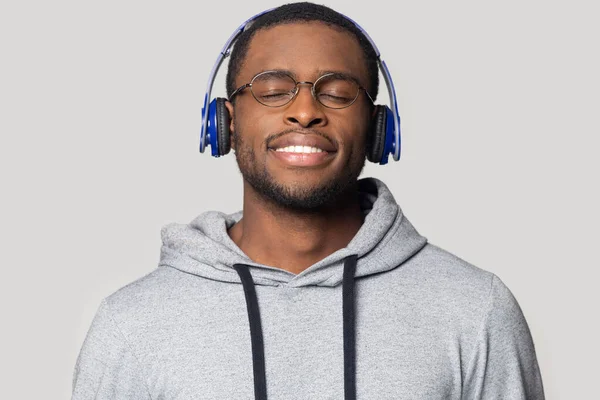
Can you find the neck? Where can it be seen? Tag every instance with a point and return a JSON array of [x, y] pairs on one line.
[[294, 240]]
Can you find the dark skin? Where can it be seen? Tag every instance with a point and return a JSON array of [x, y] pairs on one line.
[[270, 232]]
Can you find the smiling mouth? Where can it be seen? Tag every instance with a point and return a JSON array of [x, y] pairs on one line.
[[301, 156], [300, 149]]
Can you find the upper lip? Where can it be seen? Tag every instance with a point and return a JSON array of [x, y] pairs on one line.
[[303, 139]]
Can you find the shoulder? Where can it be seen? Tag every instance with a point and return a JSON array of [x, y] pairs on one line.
[[464, 286], [443, 273], [450, 270], [458, 288], [139, 303]]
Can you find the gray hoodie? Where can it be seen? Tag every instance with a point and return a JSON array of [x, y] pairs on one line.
[[390, 316]]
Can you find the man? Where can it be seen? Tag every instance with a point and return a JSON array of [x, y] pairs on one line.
[[320, 288]]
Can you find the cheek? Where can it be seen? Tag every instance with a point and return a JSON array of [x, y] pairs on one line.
[[255, 125], [354, 130], [244, 126]]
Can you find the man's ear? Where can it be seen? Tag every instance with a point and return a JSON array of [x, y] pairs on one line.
[[229, 107]]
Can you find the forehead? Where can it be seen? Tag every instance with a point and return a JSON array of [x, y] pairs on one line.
[[304, 49]]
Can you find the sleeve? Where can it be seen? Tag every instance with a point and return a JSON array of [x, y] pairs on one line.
[[106, 367], [503, 364]]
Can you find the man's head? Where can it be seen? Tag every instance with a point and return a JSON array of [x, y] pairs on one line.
[[304, 41], [298, 13]]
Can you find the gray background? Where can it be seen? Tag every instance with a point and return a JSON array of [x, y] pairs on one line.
[[100, 109]]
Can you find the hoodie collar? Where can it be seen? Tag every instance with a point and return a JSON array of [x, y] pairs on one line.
[[385, 240]]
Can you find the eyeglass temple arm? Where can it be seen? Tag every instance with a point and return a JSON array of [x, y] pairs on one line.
[[236, 91]]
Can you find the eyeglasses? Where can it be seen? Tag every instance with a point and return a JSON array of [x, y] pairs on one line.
[[278, 88]]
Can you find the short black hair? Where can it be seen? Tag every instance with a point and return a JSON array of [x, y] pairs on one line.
[[301, 12]]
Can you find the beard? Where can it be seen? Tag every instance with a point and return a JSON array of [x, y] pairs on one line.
[[297, 197]]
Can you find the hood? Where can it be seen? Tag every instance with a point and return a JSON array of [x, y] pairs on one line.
[[385, 240]]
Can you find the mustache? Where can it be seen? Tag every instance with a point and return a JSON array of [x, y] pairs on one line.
[[276, 136]]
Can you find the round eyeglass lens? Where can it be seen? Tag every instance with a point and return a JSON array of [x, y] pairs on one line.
[[336, 92], [273, 88]]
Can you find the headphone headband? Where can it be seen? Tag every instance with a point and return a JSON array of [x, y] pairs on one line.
[[394, 148], [213, 74]]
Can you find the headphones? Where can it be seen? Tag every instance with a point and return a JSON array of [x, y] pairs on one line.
[[384, 135]]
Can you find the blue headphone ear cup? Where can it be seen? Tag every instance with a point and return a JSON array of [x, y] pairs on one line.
[[223, 122], [376, 140]]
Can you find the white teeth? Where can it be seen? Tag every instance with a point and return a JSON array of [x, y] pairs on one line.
[[300, 149]]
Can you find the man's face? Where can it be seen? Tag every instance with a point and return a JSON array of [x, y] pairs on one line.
[[301, 181]]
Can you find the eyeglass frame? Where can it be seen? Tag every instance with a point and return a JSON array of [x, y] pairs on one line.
[[296, 89]]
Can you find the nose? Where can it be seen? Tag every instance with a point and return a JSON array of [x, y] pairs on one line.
[[304, 110]]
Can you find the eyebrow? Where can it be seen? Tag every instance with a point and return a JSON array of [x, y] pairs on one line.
[[278, 72], [341, 74], [320, 72]]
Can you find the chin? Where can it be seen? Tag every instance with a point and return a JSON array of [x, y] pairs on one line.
[[302, 194]]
